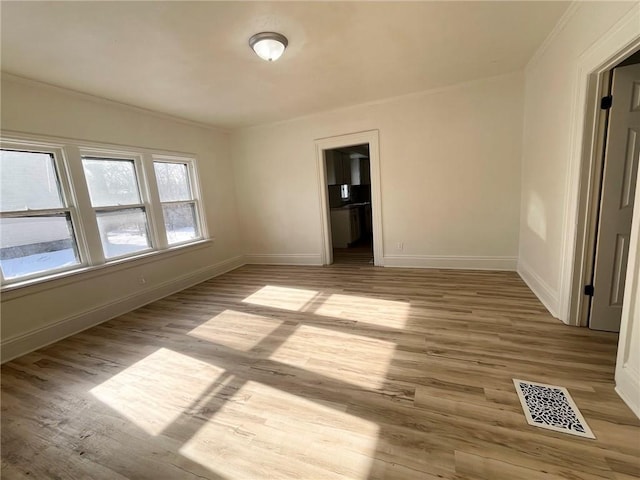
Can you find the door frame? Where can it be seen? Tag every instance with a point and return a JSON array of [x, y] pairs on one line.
[[370, 137], [586, 153]]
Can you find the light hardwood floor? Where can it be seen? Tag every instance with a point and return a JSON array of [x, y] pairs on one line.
[[318, 373], [353, 256]]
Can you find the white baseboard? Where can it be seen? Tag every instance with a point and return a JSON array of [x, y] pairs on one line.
[[283, 259], [22, 344], [451, 262], [628, 387], [547, 295]]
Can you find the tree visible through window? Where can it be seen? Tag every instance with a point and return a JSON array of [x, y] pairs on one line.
[[66, 208], [178, 203], [120, 212]]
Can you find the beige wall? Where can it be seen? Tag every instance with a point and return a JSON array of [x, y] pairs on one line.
[[34, 314], [450, 177], [552, 116], [454, 190], [547, 140]]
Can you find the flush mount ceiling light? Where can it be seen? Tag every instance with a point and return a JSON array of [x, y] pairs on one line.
[[268, 45]]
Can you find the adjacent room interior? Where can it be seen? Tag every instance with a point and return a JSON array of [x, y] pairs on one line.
[[348, 175], [364, 240]]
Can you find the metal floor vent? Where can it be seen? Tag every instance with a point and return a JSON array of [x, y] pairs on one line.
[[551, 407]]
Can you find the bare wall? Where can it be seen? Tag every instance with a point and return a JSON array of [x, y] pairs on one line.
[[35, 315], [450, 177], [549, 95], [548, 214]]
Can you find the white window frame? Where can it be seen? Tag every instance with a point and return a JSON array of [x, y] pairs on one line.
[[68, 155], [143, 191], [195, 194], [68, 205]]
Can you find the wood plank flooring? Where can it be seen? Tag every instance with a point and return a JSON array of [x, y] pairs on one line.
[[318, 373], [361, 255]]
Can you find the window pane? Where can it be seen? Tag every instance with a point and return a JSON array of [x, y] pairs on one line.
[[28, 180], [344, 192], [31, 245], [111, 182], [123, 231], [180, 222], [173, 181]]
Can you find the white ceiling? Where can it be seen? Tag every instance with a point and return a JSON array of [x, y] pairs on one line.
[[192, 59]]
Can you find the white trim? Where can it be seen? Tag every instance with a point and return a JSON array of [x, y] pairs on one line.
[[558, 27], [20, 289], [326, 254], [283, 259], [619, 41], [69, 206], [194, 186], [53, 141], [628, 388], [109, 102], [541, 289], [451, 262], [68, 155], [41, 337], [144, 206], [370, 137]]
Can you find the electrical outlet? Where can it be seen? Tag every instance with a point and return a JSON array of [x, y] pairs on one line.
[[400, 246]]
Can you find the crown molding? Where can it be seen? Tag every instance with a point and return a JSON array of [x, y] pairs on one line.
[[557, 29]]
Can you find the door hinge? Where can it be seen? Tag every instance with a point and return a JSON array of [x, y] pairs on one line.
[[588, 290], [606, 102]]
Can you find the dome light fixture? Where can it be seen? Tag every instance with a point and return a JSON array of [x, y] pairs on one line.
[[268, 45]]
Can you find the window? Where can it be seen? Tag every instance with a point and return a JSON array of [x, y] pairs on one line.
[[344, 192], [179, 207], [36, 227], [67, 208], [119, 210]]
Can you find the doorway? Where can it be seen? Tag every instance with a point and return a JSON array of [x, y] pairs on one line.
[[348, 176], [349, 187], [611, 206]]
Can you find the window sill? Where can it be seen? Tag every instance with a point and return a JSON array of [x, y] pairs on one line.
[[29, 287]]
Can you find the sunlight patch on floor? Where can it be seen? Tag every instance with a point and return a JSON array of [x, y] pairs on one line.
[[238, 330], [344, 356], [153, 392], [286, 298], [288, 436], [375, 311]]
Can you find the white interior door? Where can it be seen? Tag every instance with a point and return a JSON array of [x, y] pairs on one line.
[[616, 206]]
